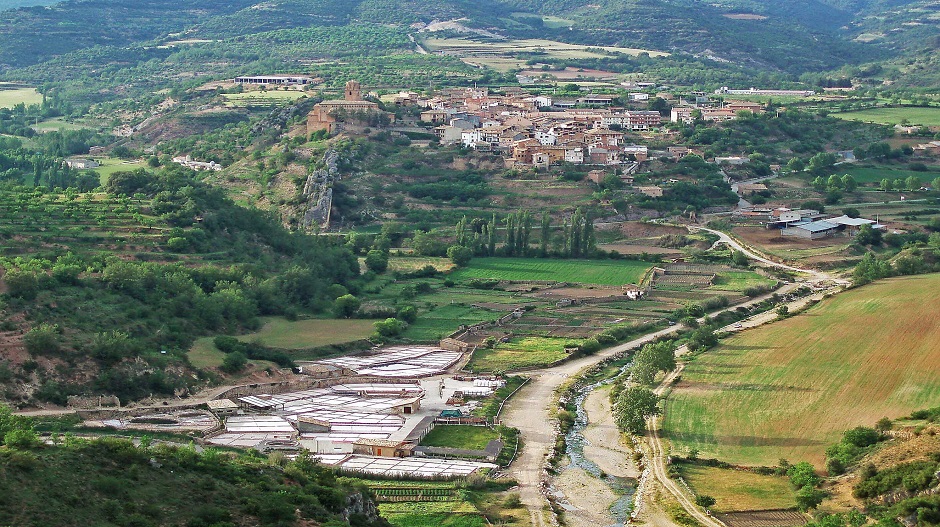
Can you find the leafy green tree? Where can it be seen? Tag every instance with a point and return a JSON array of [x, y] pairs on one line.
[[346, 306], [407, 313], [739, 259], [460, 255], [861, 436], [234, 362], [796, 165], [821, 163], [111, 346], [702, 339], [884, 424], [834, 182], [851, 212], [867, 235], [912, 183], [809, 497], [633, 406], [885, 184], [377, 261], [42, 339], [803, 474], [390, 327], [849, 183], [16, 431], [428, 244], [819, 183]]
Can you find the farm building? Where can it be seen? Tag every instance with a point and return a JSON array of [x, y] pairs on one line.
[[852, 225], [381, 448], [223, 407], [751, 188], [274, 79], [812, 230]]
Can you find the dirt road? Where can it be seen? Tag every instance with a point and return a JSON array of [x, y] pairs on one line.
[[532, 409]]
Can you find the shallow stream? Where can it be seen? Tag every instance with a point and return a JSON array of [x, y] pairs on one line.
[[625, 488]]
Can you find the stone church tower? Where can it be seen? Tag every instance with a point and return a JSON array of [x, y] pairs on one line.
[[353, 91]]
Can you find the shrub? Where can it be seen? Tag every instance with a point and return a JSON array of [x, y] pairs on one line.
[[704, 501], [346, 306], [44, 338], [861, 436], [234, 362], [377, 261]]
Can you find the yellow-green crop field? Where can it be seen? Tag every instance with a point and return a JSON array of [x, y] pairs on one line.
[[789, 389]]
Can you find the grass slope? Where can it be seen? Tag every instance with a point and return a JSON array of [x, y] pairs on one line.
[[279, 332], [599, 272], [27, 96], [789, 389]]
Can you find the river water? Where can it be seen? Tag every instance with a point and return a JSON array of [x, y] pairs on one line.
[[625, 488]]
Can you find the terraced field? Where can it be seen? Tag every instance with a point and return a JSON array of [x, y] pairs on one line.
[[789, 389], [79, 223], [598, 272]]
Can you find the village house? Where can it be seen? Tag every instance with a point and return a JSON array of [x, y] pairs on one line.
[[681, 114], [81, 164], [654, 191]]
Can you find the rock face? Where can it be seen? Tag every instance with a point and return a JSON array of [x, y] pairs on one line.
[[362, 506], [318, 191]]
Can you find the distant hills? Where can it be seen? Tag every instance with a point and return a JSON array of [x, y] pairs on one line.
[[787, 36]]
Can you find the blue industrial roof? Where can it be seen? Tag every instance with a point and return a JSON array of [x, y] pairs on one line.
[[816, 226]]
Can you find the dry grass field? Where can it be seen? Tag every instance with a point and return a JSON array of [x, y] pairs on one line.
[[789, 389], [739, 490]]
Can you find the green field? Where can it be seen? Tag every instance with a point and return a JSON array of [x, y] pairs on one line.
[[876, 174], [443, 320], [415, 263], [460, 436], [432, 514], [599, 272], [519, 353], [58, 123], [789, 389], [738, 281], [110, 165], [917, 116], [738, 490], [27, 96], [281, 333]]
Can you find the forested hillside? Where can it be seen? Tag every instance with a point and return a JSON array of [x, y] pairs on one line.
[[111, 482], [106, 293]]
